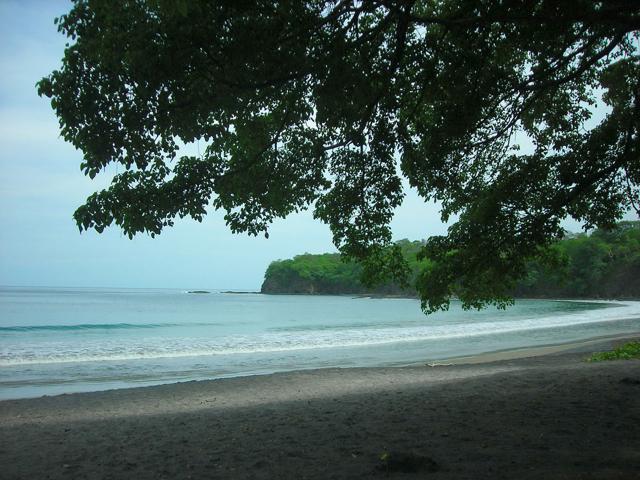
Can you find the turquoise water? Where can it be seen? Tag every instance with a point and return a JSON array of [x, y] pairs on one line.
[[66, 340]]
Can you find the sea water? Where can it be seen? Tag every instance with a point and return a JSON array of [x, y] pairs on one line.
[[62, 340]]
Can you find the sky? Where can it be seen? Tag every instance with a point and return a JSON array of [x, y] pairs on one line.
[[41, 185]]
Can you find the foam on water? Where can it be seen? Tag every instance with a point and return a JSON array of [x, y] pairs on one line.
[[17, 350], [64, 340]]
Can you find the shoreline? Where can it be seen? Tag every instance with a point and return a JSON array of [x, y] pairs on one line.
[[541, 416], [587, 346], [535, 351], [576, 349], [374, 296]]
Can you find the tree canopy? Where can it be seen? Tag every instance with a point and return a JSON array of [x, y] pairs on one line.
[[329, 104], [604, 264]]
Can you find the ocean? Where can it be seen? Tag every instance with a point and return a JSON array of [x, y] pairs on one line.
[[64, 340]]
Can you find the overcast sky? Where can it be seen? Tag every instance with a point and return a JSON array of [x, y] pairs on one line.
[[41, 185]]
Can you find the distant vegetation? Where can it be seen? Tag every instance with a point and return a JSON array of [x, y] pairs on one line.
[[327, 273], [604, 264]]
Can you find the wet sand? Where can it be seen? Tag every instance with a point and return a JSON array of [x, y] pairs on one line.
[[550, 416]]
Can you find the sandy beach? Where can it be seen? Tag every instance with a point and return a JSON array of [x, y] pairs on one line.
[[528, 414]]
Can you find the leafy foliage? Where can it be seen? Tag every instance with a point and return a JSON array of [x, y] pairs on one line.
[[328, 103], [627, 351], [330, 273], [605, 264]]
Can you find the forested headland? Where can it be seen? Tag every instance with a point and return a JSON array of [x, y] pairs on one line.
[[603, 264]]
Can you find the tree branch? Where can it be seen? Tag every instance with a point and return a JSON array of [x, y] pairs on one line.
[[580, 70]]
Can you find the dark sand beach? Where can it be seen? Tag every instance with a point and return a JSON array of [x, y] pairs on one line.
[[531, 414]]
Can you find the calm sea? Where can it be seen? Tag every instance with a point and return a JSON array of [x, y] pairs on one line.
[[62, 340]]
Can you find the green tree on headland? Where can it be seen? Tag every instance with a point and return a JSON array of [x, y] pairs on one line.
[[605, 264], [330, 273], [329, 103]]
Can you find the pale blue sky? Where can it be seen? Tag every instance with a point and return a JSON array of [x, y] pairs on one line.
[[41, 185]]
